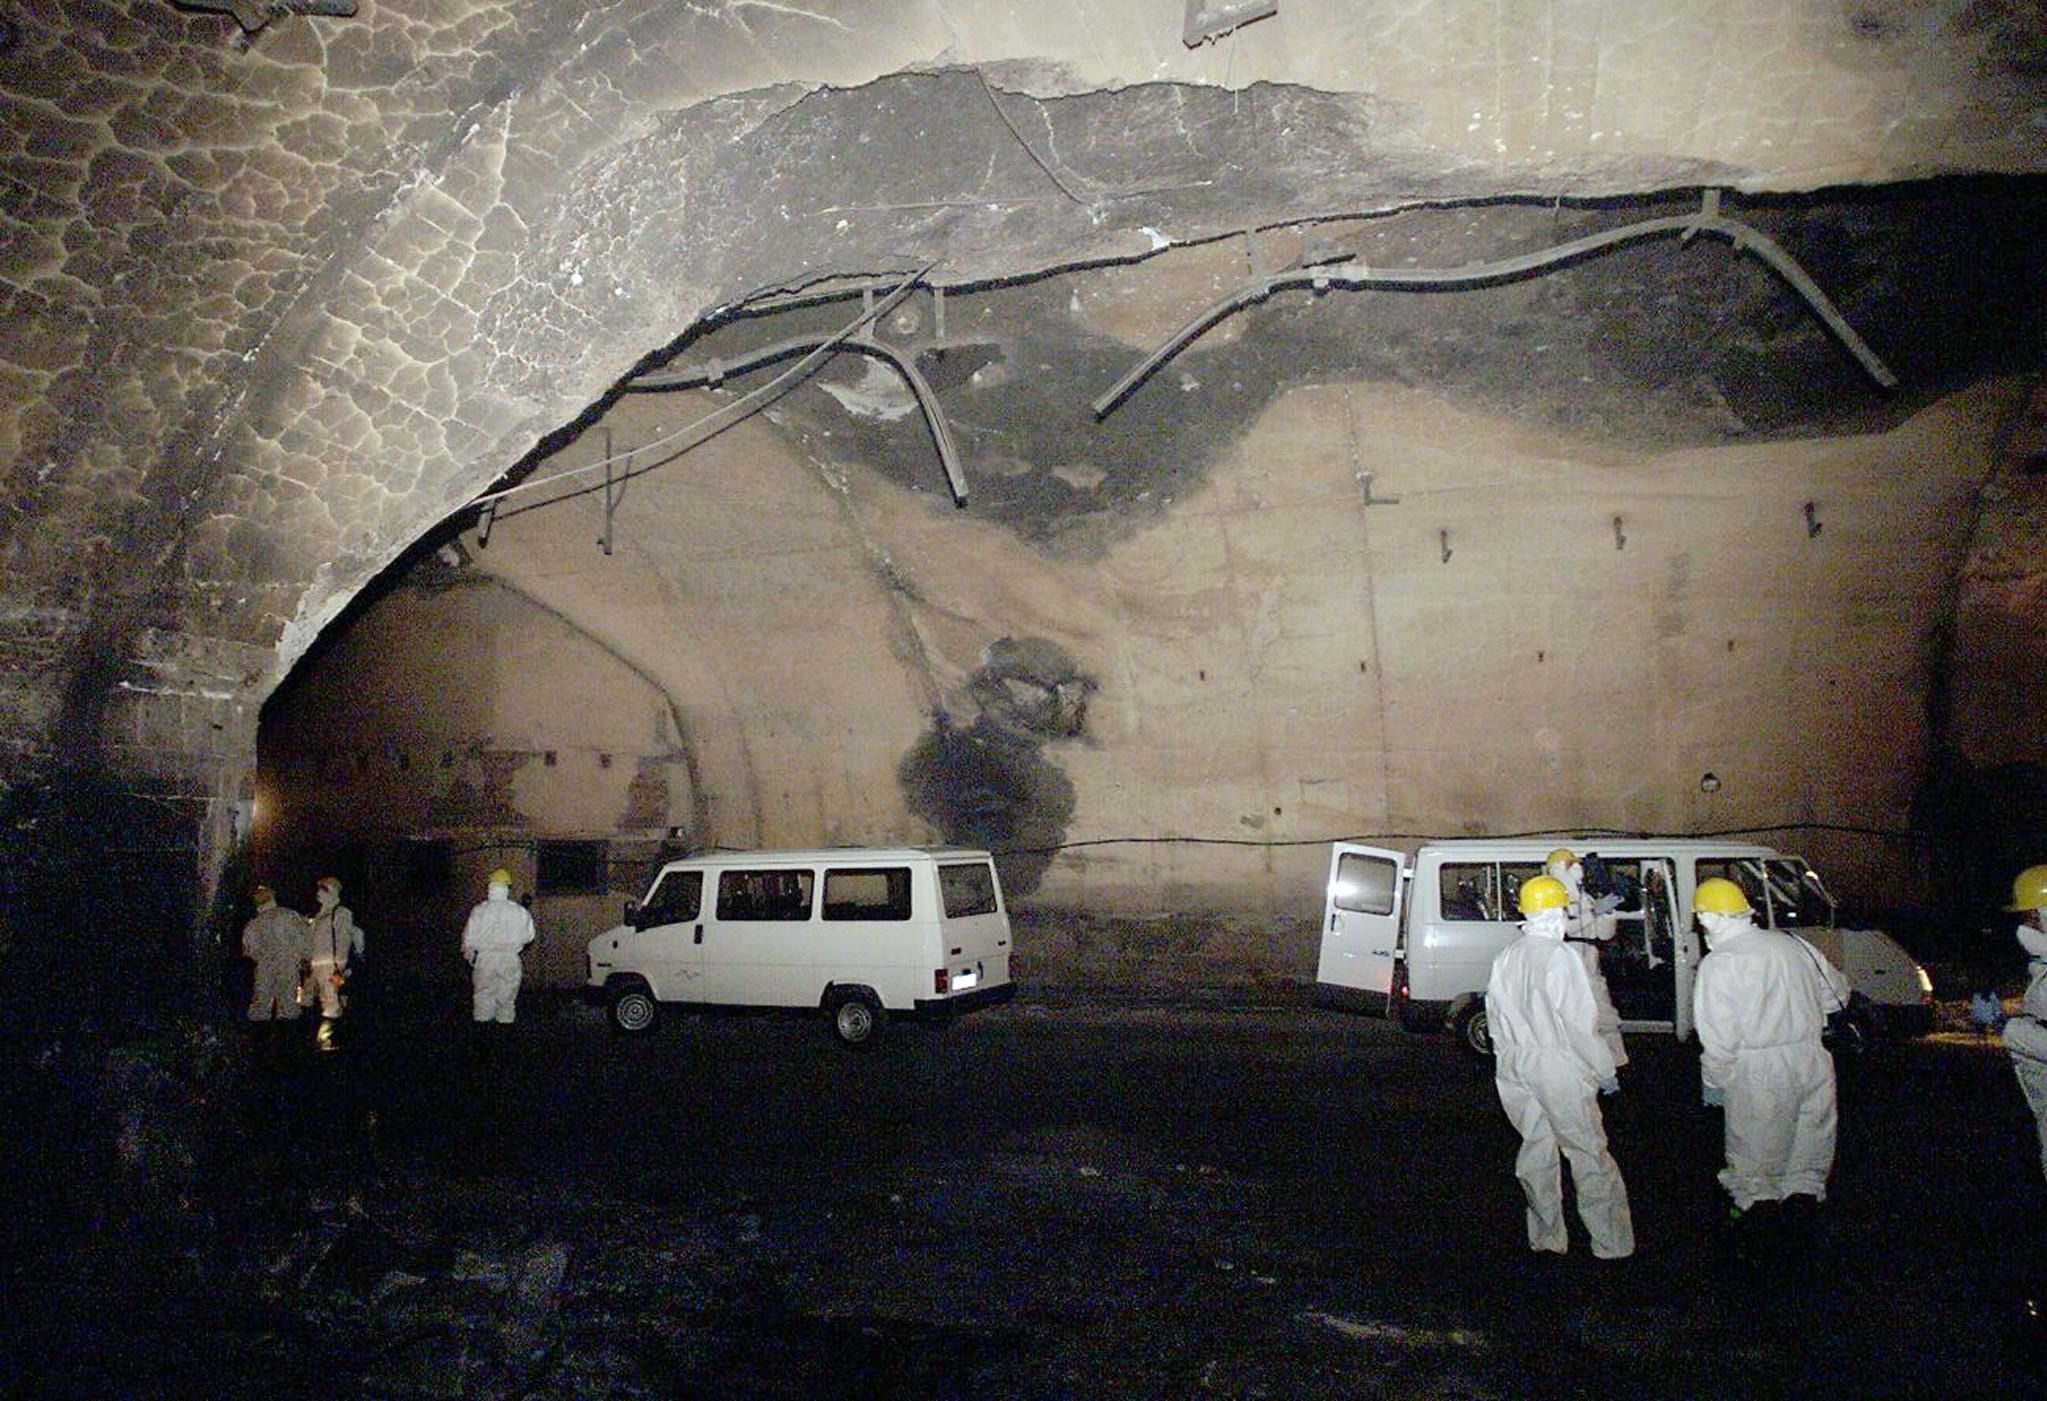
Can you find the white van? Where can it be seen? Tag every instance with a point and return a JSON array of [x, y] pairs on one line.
[[858, 932], [1415, 939]]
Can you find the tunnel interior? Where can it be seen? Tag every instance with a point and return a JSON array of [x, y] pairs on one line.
[[451, 435]]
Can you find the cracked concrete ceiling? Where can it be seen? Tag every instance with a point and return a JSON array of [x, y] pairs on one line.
[[281, 302]]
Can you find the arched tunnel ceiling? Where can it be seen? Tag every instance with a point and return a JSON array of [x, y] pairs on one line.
[[279, 304]]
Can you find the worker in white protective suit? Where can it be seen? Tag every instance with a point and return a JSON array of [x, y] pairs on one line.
[[336, 939], [1589, 924], [275, 940], [2025, 1035], [498, 928], [1549, 1065], [1760, 1001]]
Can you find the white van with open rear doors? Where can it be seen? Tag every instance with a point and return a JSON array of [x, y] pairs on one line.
[[1415, 939], [858, 933]]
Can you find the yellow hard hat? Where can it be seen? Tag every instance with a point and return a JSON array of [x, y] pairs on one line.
[[1563, 854], [1543, 893], [1720, 896], [2029, 889], [500, 876]]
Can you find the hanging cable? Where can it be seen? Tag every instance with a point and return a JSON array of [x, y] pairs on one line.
[[1359, 275], [927, 399], [725, 416]]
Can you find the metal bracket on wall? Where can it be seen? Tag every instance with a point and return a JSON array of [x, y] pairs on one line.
[[614, 487], [483, 523], [1211, 19], [1365, 480], [1620, 541], [1813, 524], [1444, 535]]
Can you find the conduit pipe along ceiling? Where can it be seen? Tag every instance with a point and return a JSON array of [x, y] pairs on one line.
[[715, 372], [815, 352], [854, 338], [1685, 227]]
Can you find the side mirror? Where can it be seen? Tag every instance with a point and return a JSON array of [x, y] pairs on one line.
[[630, 914]]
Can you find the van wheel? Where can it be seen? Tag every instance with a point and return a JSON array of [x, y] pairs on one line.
[[633, 1010], [1474, 1032], [857, 1017]]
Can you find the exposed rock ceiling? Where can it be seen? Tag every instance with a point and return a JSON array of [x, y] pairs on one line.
[[282, 296]]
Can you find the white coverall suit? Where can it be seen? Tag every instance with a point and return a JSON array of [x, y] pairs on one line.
[[2026, 1036], [276, 941], [497, 929], [335, 937], [1586, 930], [1548, 1064], [1760, 1000]]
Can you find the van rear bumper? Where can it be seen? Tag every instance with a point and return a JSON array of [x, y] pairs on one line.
[[939, 1008]]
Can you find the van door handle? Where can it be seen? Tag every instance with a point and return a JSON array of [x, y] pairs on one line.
[[700, 934]]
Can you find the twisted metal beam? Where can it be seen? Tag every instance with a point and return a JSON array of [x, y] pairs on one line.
[[1708, 220]]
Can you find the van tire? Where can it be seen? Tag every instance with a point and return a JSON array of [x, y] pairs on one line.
[[632, 1010], [856, 1016], [1474, 1030]]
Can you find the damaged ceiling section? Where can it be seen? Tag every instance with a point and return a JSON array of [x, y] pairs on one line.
[[1649, 347], [1088, 338]]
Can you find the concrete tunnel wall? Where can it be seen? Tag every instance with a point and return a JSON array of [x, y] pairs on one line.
[[278, 305], [1273, 662]]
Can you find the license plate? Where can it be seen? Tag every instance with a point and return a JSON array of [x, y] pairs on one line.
[[962, 981]]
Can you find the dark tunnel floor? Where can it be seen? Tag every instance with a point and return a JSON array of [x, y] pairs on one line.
[[1043, 1200]]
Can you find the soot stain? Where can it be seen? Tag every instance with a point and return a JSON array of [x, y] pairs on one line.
[[988, 783]]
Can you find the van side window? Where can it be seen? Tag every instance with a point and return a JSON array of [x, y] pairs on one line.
[[1797, 899], [1481, 892], [675, 900], [1512, 873], [1620, 878], [875, 894], [1469, 891], [967, 888], [1365, 884], [1746, 874], [765, 895]]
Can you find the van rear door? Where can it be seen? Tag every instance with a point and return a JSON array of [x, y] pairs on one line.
[[1360, 927], [973, 929]]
